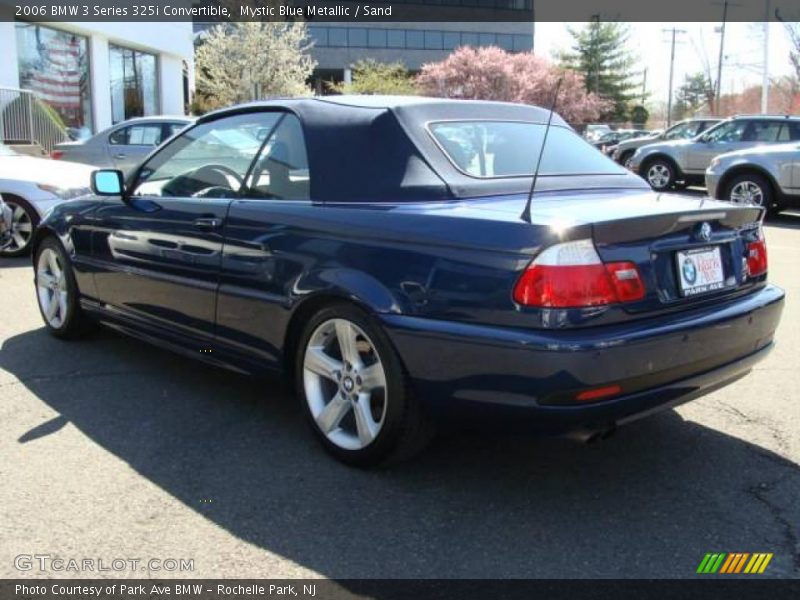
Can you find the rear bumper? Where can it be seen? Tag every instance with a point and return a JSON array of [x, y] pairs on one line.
[[463, 370], [712, 179]]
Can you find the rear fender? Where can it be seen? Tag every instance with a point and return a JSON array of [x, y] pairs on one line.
[[349, 284]]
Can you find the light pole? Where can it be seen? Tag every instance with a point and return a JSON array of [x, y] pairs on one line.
[[765, 72], [725, 6], [674, 31]]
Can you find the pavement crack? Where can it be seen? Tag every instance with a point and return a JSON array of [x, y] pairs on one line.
[[775, 432], [758, 492]]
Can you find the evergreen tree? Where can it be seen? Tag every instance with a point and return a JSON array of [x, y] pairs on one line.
[[600, 54], [695, 92]]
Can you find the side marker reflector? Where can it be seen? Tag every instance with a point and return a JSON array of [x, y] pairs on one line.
[[597, 393]]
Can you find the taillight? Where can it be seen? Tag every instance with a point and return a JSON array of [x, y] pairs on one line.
[[571, 275], [56, 154], [757, 258]]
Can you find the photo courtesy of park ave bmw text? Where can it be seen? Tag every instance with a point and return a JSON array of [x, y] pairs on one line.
[[398, 299]]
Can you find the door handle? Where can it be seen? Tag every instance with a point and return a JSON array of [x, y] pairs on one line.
[[120, 156], [208, 223]]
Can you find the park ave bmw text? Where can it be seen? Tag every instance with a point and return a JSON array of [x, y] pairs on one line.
[[177, 589]]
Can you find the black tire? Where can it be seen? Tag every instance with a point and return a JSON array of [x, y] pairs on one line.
[[405, 429], [660, 173], [767, 201], [31, 221], [74, 324]]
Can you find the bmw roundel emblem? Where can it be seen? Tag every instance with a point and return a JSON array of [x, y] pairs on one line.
[[704, 233], [689, 271]]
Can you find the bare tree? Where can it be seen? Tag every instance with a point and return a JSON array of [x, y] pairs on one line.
[[793, 30], [702, 55]]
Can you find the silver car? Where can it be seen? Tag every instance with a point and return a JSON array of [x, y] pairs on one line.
[[122, 146], [680, 131], [670, 164], [768, 177]]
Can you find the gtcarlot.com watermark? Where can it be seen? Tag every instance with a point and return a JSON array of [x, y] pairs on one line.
[[48, 563]]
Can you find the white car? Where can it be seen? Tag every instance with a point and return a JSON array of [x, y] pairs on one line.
[[32, 186], [5, 224]]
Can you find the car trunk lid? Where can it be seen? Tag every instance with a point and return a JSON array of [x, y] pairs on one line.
[[689, 250]]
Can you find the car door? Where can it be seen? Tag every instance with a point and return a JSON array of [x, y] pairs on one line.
[[789, 175], [129, 145], [159, 251], [266, 249], [727, 137]]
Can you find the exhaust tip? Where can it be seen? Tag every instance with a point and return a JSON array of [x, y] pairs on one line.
[[591, 435]]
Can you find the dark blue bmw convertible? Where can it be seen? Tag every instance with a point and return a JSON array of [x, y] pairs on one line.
[[380, 251]]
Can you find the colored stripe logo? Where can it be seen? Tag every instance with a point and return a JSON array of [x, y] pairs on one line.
[[734, 562]]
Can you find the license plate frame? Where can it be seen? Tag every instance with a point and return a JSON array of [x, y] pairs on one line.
[[700, 271]]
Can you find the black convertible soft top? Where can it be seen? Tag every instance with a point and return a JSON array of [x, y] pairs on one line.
[[378, 148]]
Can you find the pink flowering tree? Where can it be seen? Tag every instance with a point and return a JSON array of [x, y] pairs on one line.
[[494, 74]]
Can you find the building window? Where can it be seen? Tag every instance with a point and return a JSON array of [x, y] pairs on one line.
[[377, 38], [505, 41], [337, 36], [397, 38], [523, 43], [55, 66], [319, 35], [415, 39], [134, 83], [487, 39], [357, 37], [452, 40], [433, 40], [469, 39]]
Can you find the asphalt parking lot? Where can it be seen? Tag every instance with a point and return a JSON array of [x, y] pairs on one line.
[[110, 449]]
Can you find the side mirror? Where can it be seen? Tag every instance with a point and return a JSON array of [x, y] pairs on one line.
[[108, 182]]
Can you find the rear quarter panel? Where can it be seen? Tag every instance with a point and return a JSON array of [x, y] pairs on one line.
[[415, 260]]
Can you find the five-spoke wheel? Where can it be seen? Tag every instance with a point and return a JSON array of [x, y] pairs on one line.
[[23, 223], [354, 389], [345, 384], [51, 287], [57, 292]]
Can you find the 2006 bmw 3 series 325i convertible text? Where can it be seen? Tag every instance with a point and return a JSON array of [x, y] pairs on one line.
[[379, 251]]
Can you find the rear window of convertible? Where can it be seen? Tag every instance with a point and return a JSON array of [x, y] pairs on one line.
[[511, 149]]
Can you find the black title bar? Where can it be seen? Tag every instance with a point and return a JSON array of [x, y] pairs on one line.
[[221, 11], [710, 588]]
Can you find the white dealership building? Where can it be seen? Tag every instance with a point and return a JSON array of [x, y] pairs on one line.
[[93, 75]]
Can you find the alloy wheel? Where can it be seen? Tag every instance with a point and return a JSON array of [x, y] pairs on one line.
[[51, 288], [747, 192], [659, 176], [345, 384], [21, 228]]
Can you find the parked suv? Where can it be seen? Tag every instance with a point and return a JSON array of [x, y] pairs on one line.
[[680, 131], [766, 176], [667, 164]]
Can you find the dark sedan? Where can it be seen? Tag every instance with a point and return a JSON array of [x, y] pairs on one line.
[[379, 251]]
